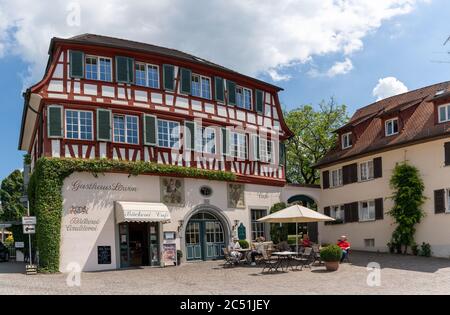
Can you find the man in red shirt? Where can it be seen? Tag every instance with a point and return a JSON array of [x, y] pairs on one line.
[[344, 245]]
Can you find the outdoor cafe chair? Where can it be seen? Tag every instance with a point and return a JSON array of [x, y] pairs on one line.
[[230, 260], [269, 263], [305, 259], [316, 250]]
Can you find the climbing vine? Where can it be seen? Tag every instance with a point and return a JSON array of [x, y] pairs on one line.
[[46, 201], [408, 200]]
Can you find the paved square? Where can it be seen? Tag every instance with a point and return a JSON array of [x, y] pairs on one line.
[[399, 275]]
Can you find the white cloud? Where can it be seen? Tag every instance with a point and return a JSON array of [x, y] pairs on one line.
[[342, 67], [388, 87], [253, 37]]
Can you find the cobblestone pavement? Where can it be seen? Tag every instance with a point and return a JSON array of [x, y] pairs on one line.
[[399, 275]]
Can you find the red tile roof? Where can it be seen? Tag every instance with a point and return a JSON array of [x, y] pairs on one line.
[[419, 126]]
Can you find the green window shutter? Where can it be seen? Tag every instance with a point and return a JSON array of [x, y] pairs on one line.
[[130, 74], [76, 59], [282, 154], [103, 125], [189, 135], [149, 130], [122, 69], [219, 89], [259, 101], [186, 78], [225, 141], [168, 77], [231, 92], [55, 121]]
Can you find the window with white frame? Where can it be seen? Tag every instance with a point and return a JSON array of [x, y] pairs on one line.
[[444, 113], [391, 126], [201, 86], [336, 177], [367, 210], [98, 68], [168, 134], [78, 125], [147, 75], [125, 129], [205, 140], [243, 97], [238, 145], [258, 228], [346, 140], [366, 170], [337, 212], [266, 150]]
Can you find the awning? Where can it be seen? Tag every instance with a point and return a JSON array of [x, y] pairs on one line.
[[141, 212]]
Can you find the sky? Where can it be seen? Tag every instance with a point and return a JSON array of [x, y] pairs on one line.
[[357, 51]]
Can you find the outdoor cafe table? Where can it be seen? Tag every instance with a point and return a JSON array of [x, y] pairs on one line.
[[284, 257]]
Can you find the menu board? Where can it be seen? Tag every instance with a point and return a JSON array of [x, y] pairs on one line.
[[104, 255], [169, 254]]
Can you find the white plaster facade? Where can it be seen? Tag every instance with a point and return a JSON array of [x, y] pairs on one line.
[[428, 157], [81, 246]]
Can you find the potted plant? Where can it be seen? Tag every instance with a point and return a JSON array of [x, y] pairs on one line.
[[244, 244], [331, 255]]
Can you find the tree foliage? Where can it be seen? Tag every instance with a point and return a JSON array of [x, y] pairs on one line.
[[11, 191], [408, 200], [313, 138]]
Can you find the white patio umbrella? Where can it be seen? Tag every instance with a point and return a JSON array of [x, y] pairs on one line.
[[296, 214]]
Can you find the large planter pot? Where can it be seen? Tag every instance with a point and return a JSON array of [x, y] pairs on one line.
[[332, 265]]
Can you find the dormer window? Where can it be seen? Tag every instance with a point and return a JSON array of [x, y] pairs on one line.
[[391, 127], [444, 113], [347, 140]]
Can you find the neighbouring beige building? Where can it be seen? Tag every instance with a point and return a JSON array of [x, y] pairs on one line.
[[412, 127]]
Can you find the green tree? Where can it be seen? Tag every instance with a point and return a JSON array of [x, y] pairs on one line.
[[313, 138], [408, 200], [11, 191]]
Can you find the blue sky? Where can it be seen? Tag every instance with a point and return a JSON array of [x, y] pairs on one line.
[[401, 46]]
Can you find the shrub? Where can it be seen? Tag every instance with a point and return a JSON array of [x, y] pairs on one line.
[[425, 250], [278, 231], [415, 249], [244, 244], [331, 253]]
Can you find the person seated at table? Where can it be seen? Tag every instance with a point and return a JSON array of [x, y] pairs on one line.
[[306, 242], [257, 249], [233, 246], [344, 245]]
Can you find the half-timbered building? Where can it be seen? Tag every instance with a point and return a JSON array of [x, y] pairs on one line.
[[109, 98]]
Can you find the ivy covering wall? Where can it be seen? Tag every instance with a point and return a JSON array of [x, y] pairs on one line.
[[46, 201]]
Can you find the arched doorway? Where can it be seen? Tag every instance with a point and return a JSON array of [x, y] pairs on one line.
[[205, 236], [312, 229]]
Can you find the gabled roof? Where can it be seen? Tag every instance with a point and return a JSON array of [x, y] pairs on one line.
[[419, 126], [112, 42]]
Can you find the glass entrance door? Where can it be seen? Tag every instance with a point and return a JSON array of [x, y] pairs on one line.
[[154, 244], [214, 240], [205, 237], [193, 245]]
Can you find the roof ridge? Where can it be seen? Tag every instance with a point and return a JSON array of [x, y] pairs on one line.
[[144, 43], [401, 94]]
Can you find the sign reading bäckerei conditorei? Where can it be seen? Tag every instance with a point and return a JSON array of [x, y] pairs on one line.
[[146, 214]]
